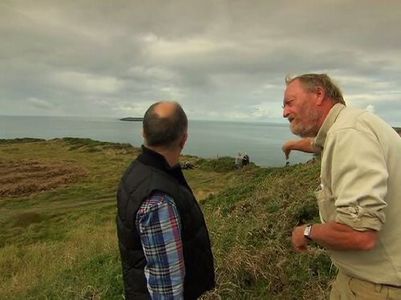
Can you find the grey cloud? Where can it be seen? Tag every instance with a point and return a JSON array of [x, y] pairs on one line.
[[40, 103], [221, 59]]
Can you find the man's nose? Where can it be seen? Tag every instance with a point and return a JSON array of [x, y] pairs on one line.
[[285, 112]]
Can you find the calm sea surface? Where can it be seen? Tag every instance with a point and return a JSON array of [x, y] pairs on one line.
[[209, 139]]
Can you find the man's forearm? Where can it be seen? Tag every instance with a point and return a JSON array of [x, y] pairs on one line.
[[336, 236], [305, 145]]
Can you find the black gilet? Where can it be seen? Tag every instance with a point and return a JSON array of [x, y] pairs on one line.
[[148, 173]]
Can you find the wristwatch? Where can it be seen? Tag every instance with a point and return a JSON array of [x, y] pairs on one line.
[[308, 232]]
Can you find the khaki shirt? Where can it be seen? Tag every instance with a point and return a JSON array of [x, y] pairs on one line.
[[361, 187]]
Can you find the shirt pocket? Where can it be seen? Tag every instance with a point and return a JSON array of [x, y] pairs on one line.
[[327, 209]]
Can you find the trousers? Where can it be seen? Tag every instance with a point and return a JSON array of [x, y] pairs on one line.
[[349, 288]]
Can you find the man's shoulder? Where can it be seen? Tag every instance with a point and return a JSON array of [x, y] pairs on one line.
[[351, 118], [140, 172], [348, 117]]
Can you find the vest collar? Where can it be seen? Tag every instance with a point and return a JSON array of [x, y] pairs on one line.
[[156, 160]]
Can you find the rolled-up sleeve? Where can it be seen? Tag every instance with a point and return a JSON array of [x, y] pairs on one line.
[[359, 179]]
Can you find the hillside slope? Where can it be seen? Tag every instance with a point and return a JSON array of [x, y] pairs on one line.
[[57, 230]]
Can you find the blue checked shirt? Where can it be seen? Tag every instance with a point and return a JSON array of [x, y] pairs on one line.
[[159, 228]]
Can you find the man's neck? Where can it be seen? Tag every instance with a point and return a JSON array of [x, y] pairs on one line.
[[327, 106], [171, 155]]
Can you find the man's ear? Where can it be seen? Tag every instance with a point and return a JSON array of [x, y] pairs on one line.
[[183, 140], [320, 95]]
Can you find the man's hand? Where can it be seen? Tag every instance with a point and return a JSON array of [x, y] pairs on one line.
[[304, 144], [299, 242], [287, 147]]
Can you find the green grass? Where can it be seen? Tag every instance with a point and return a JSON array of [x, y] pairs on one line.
[[61, 243]]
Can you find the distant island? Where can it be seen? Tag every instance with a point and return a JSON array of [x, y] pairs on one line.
[[398, 129], [131, 119]]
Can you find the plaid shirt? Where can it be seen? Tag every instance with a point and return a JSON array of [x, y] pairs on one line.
[[159, 228]]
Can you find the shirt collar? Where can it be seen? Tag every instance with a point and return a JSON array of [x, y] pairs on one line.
[[328, 122]]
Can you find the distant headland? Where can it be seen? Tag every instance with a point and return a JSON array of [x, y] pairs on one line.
[[131, 119]]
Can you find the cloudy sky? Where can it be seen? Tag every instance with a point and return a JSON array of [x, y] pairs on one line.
[[222, 59]]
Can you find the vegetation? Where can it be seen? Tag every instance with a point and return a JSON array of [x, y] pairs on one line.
[[20, 140], [132, 119], [58, 237]]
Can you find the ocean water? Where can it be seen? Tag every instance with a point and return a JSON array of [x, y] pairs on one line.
[[208, 139]]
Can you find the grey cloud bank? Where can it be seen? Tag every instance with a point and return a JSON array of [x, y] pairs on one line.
[[221, 59]]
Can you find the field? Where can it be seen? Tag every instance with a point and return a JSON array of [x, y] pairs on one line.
[[58, 237]]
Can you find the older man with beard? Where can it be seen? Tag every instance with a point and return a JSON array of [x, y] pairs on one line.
[[359, 197]]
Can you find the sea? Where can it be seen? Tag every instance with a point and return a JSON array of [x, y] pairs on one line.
[[207, 139]]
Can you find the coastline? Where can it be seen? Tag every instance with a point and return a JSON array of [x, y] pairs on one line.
[[133, 119]]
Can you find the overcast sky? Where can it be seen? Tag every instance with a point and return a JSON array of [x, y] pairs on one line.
[[221, 59]]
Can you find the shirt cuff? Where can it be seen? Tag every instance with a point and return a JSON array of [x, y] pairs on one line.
[[360, 219]]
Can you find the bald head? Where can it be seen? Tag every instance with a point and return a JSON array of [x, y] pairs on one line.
[[164, 124], [165, 109]]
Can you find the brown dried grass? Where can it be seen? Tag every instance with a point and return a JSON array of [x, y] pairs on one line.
[[25, 177]]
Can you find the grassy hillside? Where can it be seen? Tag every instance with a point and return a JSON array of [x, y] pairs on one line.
[[57, 230]]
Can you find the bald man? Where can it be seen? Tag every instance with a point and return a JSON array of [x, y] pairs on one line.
[[163, 239]]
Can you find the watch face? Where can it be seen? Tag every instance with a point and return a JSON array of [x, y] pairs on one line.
[[308, 232]]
